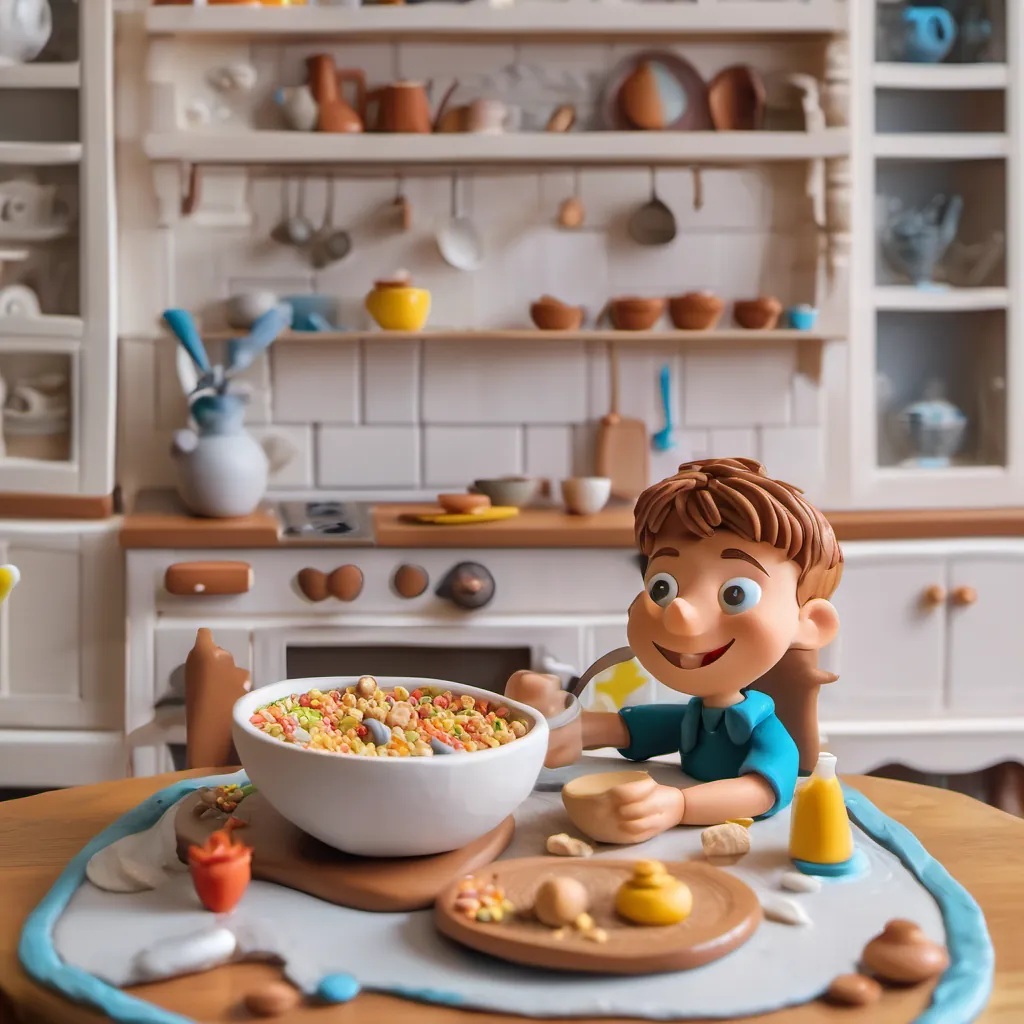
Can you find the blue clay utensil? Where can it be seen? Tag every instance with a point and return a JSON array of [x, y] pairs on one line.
[[929, 34], [440, 747], [242, 352], [664, 440], [377, 731], [184, 328]]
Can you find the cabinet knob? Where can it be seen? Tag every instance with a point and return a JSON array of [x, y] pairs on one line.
[[934, 596], [964, 596]]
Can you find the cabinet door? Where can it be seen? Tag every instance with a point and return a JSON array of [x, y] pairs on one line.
[[891, 645], [986, 642], [62, 633]]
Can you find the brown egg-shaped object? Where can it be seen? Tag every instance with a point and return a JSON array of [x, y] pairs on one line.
[[313, 584], [639, 99], [272, 1000], [903, 954], [560, 900], [853, 990], [346, 582], [410, 581]]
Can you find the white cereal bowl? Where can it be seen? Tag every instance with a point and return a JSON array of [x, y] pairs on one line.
[[389, 807]]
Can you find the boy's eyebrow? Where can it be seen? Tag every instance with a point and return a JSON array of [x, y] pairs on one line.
[[665, 551], [736, 553]]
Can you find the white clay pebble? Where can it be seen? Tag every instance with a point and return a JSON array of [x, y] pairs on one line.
[[185, 954], [728, 840], [797, 881], [783, 910], [563, 845]]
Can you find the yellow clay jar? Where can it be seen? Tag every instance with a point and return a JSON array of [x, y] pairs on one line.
[[397, 306], [653, 897]]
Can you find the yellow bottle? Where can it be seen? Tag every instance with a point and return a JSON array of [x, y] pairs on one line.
[[820, 838]]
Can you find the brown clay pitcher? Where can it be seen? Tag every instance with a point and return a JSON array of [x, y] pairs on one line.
[[326, 83], [405, 107]]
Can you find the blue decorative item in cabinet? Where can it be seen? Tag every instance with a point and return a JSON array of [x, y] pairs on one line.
[[929, 34]]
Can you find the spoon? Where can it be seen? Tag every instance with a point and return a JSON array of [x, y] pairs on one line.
[[653, 223], [377, 730], [281, 232], [458, 241]]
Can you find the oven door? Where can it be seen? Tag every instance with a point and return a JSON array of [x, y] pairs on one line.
[[480, 655]]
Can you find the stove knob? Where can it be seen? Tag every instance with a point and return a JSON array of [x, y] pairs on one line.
[[410, 581], [469, 585], [346, 582]]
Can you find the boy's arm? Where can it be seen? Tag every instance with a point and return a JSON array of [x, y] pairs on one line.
[[604, 729], [712, 803]]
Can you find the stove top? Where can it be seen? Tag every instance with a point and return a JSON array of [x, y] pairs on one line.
[[340, 522]]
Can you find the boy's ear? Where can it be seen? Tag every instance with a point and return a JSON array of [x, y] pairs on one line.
[[819, 624]]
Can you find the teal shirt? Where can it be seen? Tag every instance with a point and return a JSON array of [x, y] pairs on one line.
[[717, 743]]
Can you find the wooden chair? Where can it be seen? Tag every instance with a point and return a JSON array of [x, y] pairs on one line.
[[213, 682]]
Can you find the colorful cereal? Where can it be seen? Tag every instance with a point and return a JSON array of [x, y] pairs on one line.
[[334, 721]]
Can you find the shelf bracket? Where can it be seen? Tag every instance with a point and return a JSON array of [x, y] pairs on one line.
[[190, 200], [809, 357]]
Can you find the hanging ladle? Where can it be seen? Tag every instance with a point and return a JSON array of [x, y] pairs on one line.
[[294, 229], [653, 223], [457, 240]]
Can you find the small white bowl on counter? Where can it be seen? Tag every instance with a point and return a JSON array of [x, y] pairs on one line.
[[389, 807]]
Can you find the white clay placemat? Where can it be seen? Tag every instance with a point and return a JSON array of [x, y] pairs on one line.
[[780, 965]]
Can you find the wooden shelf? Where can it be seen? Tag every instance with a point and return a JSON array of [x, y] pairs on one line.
[[908, 299], [14, 327], [530, 148], [945, 146], [40, 76], [941, 76], [540, 18], [40, 154]]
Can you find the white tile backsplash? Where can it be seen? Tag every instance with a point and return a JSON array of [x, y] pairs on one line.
[[492, 382], [391, 385], [316, 382], [296, 447], [737, 388], [736, 443], [549, 453], [455, 456], [353, 457], [796, 455]]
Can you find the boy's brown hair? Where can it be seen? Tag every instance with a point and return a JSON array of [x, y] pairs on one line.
[[737, 495]]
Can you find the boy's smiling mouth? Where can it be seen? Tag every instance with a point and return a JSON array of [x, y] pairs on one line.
[[688, 661]]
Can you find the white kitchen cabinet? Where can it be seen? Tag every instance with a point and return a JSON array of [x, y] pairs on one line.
[[986, 649], [890, 651]]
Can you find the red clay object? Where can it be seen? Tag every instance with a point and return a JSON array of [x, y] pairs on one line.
[[221, 871]]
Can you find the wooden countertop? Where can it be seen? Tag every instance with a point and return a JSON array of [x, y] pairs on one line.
[[159, 521], [980, 847]]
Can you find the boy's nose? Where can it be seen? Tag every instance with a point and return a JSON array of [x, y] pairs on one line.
[[682, 618]]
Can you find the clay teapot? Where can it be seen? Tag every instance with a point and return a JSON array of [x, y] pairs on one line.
[[325, 83], [405, 107]]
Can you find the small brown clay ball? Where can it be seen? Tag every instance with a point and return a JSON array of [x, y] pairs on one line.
[[367, 686], [904, 955], [273, 999], [559, 901], [854, 990]]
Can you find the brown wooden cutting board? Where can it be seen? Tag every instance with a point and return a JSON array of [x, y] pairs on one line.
[[284, 854], [623, 447]]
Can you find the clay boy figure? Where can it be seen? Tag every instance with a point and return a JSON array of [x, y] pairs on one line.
[[739, 571]]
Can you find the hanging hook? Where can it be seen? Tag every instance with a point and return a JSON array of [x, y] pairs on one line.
[[190, 200]]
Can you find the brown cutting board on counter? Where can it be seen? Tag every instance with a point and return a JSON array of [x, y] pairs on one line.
[[623, 447]]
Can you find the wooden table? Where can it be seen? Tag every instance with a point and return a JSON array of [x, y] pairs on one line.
[[983, 848]]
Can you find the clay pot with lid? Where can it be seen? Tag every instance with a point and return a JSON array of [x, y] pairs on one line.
[[397, 306], [551, 314]]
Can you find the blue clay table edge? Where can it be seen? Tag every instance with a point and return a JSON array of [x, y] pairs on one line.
[[960, 996]]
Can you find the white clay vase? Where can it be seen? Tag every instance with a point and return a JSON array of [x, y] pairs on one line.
[[25, 27], [223, 470]]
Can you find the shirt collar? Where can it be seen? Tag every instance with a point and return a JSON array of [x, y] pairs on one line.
[[740, 720]]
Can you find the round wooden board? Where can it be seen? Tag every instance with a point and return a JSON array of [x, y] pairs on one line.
[[725, 914], [284, 854]]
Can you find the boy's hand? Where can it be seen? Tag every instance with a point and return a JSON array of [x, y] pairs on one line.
[[645, 809], [545, 693]]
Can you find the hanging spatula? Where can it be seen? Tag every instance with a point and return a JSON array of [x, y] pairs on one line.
[[622, 444]]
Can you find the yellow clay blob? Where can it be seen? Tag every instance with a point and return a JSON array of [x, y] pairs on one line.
[[399, 308], [653, 897]]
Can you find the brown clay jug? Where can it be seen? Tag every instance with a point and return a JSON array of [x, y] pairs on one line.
[[405, 107], [326, 82]]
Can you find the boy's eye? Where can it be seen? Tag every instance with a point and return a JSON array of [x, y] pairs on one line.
[[738, 595], [663, 588]]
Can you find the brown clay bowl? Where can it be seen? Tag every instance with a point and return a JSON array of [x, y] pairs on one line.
[[460, 504], [549, 314], [635, 314], [695, 311], [761, 314], [736, 98], [589, 807]]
